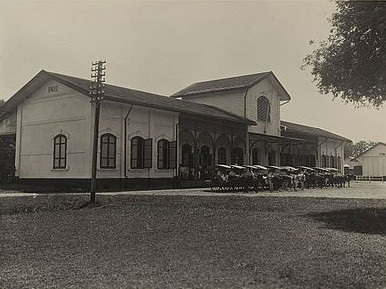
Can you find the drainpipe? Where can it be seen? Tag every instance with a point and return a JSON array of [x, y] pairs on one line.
[[245, 102], [125, 146]]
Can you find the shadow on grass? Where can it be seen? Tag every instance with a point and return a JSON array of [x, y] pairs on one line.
[[360, 220]]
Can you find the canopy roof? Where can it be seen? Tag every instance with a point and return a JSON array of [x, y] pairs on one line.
[[294, 128]]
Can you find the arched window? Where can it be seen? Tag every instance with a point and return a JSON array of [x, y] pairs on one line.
[[324, 161], [238, 156], [222, 155], [137, 152], [205, 159], [187, 160], [263, 109], [163, 150], [332, 161], [255, 156], [312, 160], [60, 152], [108, 151]]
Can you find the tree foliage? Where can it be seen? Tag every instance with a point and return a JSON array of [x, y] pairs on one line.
[[356, 149], [351, 63]]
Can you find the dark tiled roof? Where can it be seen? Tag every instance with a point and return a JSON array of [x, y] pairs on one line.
[[237, 82], [125, 95], [309, 130]]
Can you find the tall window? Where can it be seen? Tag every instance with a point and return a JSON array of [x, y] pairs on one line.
[[205, 159], [137, 150], [141, 153], [163, 154], [222, 155], [238, 156], [263, 109], [187, 158], [60, 152], [167, 154], [108, 151], [324, 161], [255, 156]]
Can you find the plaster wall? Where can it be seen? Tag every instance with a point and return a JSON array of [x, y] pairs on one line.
[[374, 161], [232, 101], [268, 89], [53, 109], [154, 124]]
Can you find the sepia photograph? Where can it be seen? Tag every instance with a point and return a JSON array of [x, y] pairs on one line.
[[192, 144]]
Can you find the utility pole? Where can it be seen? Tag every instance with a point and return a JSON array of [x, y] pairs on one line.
[[96, 92]]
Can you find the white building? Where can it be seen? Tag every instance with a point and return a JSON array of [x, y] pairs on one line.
[[147, 139], [373, 161]]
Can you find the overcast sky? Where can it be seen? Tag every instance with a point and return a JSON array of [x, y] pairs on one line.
[[162, 47]]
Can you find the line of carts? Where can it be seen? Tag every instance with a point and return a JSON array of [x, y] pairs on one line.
[[257, 178]]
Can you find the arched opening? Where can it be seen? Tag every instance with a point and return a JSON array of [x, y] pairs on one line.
[[255, 156], [238, 156], [222, 155]]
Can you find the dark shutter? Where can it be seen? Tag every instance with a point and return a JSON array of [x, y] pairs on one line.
[[173, 155], [148, 153]]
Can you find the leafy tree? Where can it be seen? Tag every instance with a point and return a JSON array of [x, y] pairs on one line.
[[351, 63], [356, 149]]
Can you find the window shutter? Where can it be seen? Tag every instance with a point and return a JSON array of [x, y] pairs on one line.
[[148, 153], [173, 155]]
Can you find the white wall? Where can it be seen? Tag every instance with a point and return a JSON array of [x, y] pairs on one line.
[[268, 89], [374, 161], [155, 124], [53, 109], [232, 101], [62, 110]]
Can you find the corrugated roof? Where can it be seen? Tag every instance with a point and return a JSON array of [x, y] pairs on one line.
[[309, 130], [125, 95], [223, 84]]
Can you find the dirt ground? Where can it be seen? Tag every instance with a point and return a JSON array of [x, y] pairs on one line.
[[192, 241]]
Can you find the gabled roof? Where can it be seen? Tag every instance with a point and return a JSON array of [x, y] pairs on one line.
[[230, 83], [309, 130], [369, 149], [123, 95]]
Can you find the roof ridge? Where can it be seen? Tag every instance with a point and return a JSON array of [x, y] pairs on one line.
[[232, 77], [107, 84], [234, 82]]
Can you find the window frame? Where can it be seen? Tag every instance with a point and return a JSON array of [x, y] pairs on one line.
[[266, 115], [111, 159], [137, 159], [163, 154], [58, 149]]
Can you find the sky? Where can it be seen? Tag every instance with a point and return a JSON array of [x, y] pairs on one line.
[[164, 46]]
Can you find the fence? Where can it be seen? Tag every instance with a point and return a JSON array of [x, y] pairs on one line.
[[370, 178]]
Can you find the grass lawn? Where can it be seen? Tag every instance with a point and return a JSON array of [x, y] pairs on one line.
[[192, 242]]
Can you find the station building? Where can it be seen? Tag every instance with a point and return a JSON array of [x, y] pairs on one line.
[[148, 140]]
